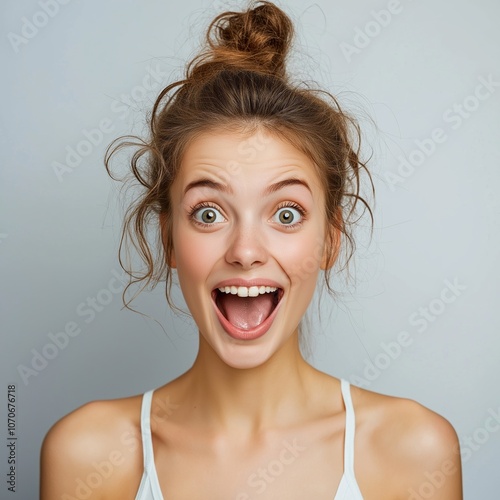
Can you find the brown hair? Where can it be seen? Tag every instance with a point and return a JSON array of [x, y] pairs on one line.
[[239, 82]]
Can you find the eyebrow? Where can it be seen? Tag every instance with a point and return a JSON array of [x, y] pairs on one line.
[[287, 182], [210, 184], [227, 189]]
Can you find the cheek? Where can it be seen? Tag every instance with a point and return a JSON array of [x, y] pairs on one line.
[[301, 262], [195, 255]]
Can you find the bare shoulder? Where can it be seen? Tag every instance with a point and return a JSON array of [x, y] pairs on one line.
[[416, 450], [93, 451]]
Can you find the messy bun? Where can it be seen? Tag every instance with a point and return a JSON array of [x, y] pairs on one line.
[[256, 40], [239, 82]]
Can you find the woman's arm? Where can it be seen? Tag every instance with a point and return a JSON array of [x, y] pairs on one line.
[[426, 454], [92, 453], [404, 450], [435, 455]]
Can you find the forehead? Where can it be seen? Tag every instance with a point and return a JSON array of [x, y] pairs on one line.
[[238, 158]]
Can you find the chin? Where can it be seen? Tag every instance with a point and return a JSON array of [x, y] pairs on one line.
[[243, 361], [243, 355]]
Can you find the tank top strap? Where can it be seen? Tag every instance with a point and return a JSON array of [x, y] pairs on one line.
[[149, 488], [350, 427], [147, 443]]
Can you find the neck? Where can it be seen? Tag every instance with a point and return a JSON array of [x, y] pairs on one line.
[[248, 400]]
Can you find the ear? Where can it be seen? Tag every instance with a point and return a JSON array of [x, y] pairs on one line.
[[331, 247], [165, 238]]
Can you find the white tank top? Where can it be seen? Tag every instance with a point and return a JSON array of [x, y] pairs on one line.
[[149, 488]]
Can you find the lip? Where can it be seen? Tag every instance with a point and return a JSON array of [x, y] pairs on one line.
[[258, 331]]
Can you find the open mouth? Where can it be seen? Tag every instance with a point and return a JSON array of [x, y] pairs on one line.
[[246, 311]]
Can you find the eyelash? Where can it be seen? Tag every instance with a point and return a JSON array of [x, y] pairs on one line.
[[286, 204], [195, 208], [302, 212]]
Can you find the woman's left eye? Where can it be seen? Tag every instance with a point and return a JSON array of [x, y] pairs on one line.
[[288, 216]]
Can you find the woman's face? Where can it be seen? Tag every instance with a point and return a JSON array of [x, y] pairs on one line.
[[248, 235]]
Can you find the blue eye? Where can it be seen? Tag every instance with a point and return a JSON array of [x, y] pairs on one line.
[[288, 216], [207, 215]]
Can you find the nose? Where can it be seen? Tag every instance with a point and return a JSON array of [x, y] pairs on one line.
[[247, 248]]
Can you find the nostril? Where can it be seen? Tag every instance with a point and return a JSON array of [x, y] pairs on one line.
[[247, 251]]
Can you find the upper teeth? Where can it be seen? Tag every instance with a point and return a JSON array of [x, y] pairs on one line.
[[244, 291]]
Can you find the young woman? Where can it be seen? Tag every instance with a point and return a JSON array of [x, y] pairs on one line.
[[253, 182]]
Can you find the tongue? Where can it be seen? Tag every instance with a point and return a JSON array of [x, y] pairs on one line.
[[246, 312]]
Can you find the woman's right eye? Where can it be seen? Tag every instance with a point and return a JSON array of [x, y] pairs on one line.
[[207, 216]]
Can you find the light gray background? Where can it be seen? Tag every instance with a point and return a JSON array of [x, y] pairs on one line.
[[59, 236]]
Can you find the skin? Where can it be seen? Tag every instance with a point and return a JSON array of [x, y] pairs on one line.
[[219, 428]]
